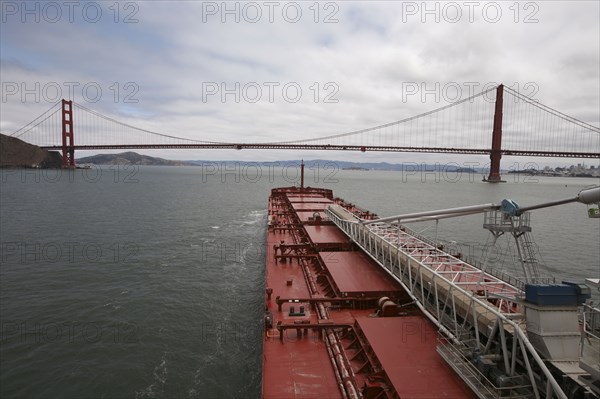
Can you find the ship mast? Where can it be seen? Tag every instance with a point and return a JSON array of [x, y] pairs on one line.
[[302, 175]]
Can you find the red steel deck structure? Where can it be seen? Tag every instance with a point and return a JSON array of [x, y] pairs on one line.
[[336, 324]]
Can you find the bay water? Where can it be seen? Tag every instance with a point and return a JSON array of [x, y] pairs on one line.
[[148, 282]]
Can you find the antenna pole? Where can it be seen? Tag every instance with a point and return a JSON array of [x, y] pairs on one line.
[[302, 174]]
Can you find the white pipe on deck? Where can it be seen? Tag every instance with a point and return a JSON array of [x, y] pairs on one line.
[[429, 218], [586, 196], [458, 211], [589, 196]]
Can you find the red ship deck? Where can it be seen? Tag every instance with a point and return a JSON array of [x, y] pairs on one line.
[[307, 216], [325, 235], [354, 273], [406, 349], [321, 200], [321, 339], [310, 206]]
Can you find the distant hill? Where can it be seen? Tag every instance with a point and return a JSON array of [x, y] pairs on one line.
[[133, 158], [15, 153], [358, 166], [129, 158]]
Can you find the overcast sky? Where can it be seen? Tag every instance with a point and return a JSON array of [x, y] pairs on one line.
[[322, 67]]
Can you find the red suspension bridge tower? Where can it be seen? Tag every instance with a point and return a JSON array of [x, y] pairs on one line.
[[68, 147], [496, 152]]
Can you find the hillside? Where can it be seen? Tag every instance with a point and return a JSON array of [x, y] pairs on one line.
[[357, 166], [15, 153], [129, 158]]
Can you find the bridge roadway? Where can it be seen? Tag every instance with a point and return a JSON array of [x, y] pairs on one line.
[[330, 147]]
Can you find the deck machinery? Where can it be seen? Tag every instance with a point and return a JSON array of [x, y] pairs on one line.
[[505, 338]]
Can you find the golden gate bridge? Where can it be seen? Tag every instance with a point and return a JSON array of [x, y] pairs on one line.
[[511, 124]]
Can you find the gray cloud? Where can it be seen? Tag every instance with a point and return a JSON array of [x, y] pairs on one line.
[[370, 55]]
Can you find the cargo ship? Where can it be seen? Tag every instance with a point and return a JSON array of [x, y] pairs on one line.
[[358, 306]]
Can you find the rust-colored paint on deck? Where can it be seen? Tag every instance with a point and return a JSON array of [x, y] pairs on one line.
[[309, 206], [296, 361], [354, 272], [406, 348], [326, 235], [305, 216], [297, 370], [303, 195], [321, 200]]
